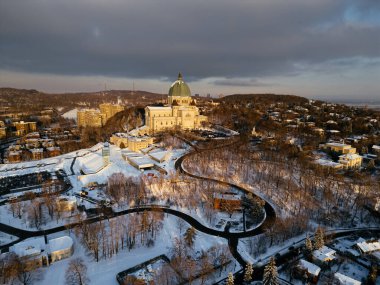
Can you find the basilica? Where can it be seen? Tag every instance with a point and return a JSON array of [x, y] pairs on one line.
[[180, 112]]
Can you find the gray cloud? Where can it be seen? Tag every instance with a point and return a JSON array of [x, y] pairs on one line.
[[151, 39], [243, 82]]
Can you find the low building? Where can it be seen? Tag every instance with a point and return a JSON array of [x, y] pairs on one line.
[[345, 280], [329, 163], [31, 252], [133, 143], [350, 160], [376, 149], [308, 269], [160, 155], [37, 153], [338, 147], [324, 255], [366, 247], [226, 201], [37, 253], [14, 156], [60, 248], [22, 128], [140, 162], [3, 132], [66, 203], [53, 151]]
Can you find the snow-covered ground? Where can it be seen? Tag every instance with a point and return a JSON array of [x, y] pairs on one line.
[[104, 271], [72, 114]]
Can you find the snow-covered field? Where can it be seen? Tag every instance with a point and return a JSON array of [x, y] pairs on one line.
[[104, 271]]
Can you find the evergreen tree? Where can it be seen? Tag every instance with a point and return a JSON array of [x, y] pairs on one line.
[[248, 272], [372, 275], [270, 273], [308, 244], [230, 279], [309, 247], [319, 238], [190, 236]]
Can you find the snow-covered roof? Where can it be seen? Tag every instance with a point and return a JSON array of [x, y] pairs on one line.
[[310, 267], [333, 131], [160, 155], [350, 156], [60, 243], [365, 246], [345, 280], [91, 163], [335, 144], [324, 253], [376, 147], [141, 162], [28, 247], [162, 108], [227, 196], [52, 148], [326, 162]]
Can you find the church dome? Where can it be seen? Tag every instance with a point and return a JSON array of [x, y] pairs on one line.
[[179, 88]]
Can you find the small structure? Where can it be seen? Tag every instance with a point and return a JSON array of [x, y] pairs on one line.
[[66, 203], [14, 156], [160, 155], [309, 269], [338, 147], [53, 151], [133, 143], [106, 154], [324, 255], [37, 153], [345, 280], [225, 201], [36, 253], [350, 160], [329, 163], [376, 149], [31, 252], [60, 248], [140, 162], [366, 247]]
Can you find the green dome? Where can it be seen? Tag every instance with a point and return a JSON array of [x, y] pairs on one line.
[[179, 88]]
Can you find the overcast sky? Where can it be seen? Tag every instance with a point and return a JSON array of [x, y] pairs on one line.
[[328, 49]]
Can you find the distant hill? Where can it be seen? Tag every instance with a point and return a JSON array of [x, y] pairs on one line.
[[19, 99], [264, 98]]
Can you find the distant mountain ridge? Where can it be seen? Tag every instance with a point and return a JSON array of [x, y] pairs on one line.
[[20, 99], [264, 98]]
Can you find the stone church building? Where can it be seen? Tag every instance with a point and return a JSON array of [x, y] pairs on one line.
[[180, 112]]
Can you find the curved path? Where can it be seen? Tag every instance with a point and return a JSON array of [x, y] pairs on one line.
[[232, 237]]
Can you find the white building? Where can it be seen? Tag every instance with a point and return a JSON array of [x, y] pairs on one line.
[[37, 253], [324, 255], [345, 280]]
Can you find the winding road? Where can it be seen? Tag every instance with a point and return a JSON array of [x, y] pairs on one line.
[[232, 237]]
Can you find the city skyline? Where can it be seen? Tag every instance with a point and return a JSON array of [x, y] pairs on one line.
[[323, 50]]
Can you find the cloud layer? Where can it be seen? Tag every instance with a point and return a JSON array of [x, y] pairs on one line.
[[150, 39]]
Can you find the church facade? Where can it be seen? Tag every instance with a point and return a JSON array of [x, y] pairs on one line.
[[181, 111]]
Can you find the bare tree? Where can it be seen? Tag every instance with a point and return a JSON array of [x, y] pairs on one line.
[[76, 272]]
